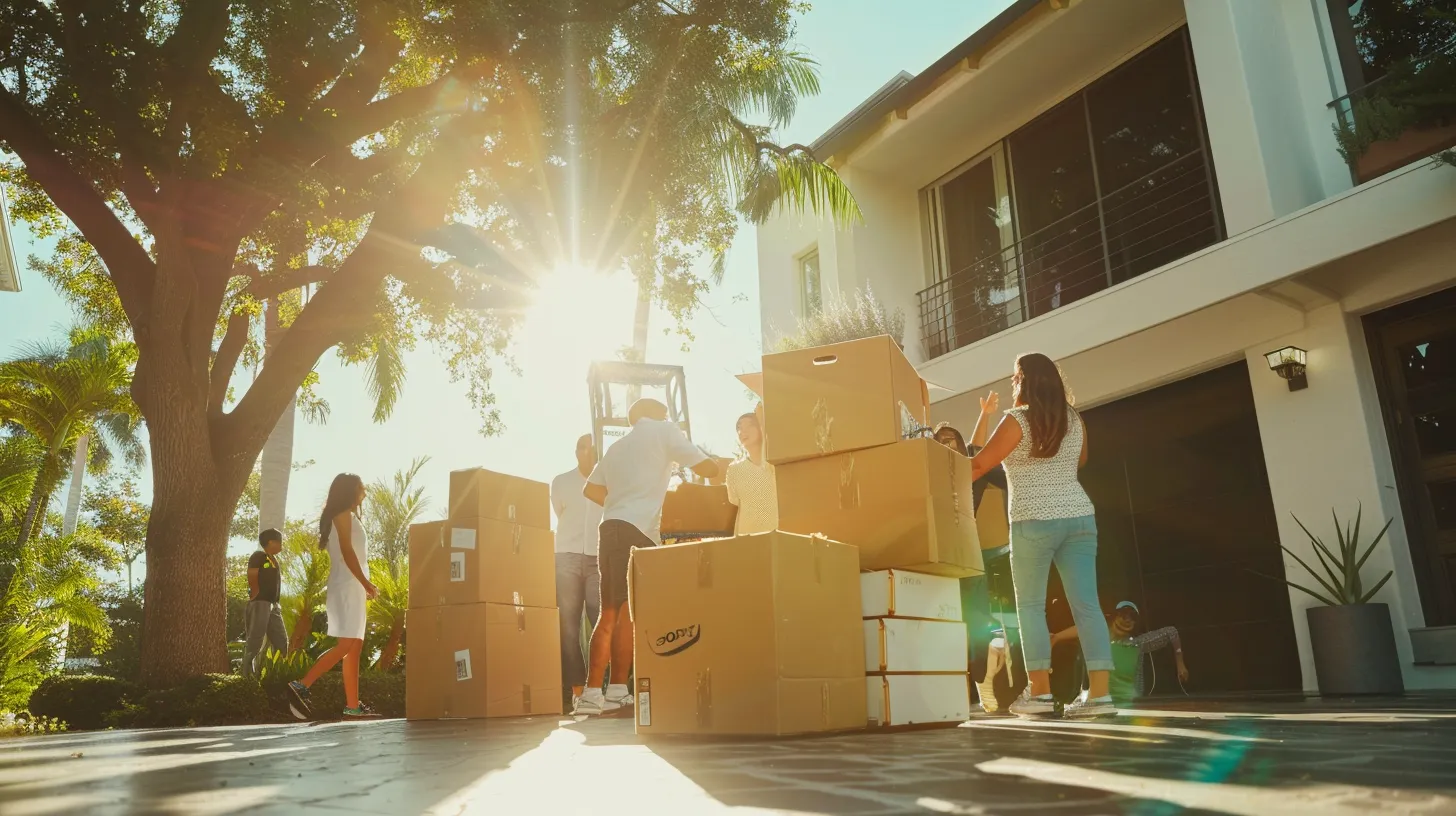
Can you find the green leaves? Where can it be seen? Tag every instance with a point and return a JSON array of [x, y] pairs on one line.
[[1339, 574]]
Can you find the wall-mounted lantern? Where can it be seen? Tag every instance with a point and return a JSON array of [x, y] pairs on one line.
[[1288, 363]]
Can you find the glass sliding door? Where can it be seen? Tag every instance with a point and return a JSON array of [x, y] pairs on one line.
[[974, 232], [1057, 208]]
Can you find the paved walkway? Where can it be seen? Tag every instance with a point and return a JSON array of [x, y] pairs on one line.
[[1234, 758]]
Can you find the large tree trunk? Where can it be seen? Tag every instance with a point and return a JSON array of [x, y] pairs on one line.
[[185, 597]]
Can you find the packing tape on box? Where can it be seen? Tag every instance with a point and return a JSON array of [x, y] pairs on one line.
[[823, 423], [824, 703], [516, 539], [955, 493], [705, 568], [526, 697], [520, 618], [705, 699], [848, 484]]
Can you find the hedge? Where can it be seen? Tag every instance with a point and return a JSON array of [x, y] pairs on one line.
[[81, 701]]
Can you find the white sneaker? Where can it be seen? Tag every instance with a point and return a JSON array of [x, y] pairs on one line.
[[592, 702], [1084, 708], [619, 694], [1029, 706]]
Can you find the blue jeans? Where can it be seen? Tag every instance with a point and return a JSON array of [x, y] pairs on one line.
[[577, 585], [1071, 544]]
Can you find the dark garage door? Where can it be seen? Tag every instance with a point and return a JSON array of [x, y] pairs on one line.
[[1185, 519]]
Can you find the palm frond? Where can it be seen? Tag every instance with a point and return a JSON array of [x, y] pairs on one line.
[[385, 377]]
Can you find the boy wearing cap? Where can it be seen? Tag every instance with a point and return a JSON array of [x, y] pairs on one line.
[[1121, 624]]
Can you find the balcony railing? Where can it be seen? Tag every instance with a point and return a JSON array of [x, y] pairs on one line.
[[1154, 220], [1402, 117]]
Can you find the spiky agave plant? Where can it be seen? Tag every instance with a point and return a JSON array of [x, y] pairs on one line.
[[1341, 582]]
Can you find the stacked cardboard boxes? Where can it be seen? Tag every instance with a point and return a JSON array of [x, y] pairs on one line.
[[484, 640], [753, 635], [916, 668], [845, 428]]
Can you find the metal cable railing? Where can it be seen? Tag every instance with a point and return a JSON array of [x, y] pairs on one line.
[[1150, 221]]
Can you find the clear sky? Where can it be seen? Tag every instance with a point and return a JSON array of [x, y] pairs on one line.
[[860, 45]]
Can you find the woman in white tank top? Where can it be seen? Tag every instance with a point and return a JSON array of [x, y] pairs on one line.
[[349, 592], [1042, 443]]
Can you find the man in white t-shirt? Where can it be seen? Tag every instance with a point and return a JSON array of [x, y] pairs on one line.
[[630, 482], [578, 582]]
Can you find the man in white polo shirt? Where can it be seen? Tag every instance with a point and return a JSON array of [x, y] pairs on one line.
[[578, 582], [630, 482]]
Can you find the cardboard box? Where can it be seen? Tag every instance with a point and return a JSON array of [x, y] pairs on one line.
[[914, 645], [757, 634], [481, 493], [906, 505], [902, 594], [482, 660], [915, 699], [840, 397], [698, 510], [481, 561]]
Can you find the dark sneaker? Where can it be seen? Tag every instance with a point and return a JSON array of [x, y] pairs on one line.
[[363, 712], [1029, 706], [1087, 708], [298, 704]]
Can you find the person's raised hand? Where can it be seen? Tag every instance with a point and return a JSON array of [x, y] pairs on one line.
[[990, 403]]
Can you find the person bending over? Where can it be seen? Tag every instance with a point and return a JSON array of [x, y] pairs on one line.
[[1122, 623], [629, 483]]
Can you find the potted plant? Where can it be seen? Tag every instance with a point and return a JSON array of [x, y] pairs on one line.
[[1352, 638]]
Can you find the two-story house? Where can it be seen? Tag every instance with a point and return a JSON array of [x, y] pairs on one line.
[[1153, 193], [9, 269]]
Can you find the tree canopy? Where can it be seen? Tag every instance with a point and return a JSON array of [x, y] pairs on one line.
[[374, 175]]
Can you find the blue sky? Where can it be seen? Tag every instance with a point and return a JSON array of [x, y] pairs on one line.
[[860, 44]]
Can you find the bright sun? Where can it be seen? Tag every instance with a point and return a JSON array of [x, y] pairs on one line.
[[576, 315]]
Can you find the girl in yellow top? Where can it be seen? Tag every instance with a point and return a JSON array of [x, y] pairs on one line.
[[751, 484]]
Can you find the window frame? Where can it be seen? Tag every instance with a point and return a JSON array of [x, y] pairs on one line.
[[801, 278]]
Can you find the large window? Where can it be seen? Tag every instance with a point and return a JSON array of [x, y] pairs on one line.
[[1109, 184], [811, 291]]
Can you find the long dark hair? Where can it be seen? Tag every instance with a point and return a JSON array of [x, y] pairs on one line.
[[1037, 384], [951, 438], [343, 495]]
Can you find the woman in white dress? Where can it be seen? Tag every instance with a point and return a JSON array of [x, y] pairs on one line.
[[349, 591]]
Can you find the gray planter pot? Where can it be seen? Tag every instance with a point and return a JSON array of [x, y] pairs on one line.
[[1354, 649]]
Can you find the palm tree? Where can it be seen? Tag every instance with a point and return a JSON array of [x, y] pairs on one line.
[[52, 590], [305, 570], [755, 172], [386, 612], [60, 396], [390, 510]]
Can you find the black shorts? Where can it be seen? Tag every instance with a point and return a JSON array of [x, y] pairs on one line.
[[614, 554]]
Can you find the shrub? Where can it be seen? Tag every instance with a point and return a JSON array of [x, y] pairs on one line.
[[25, 725], [82, 701], [383, 691], [211, 699], [842, 319]]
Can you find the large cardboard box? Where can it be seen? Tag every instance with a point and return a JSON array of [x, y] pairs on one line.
[[840, 397], [914, 645], [903, 594], [757, 634], [906, 505], [916, 699], [698, 510], [481, 561], [482, 660], [481, 493]]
